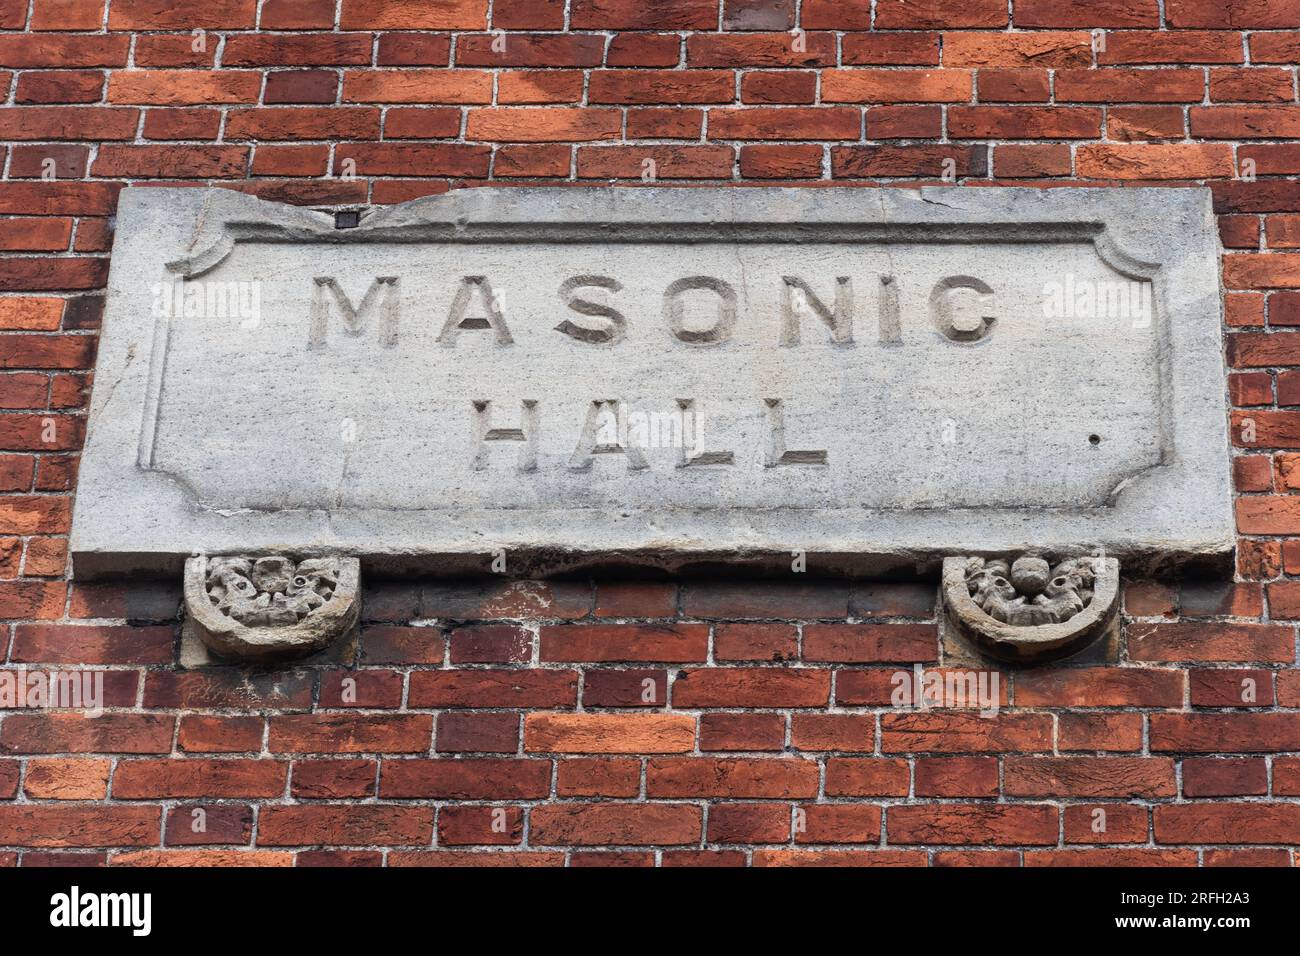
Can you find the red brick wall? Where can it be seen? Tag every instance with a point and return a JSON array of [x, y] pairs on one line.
[[770, 737]]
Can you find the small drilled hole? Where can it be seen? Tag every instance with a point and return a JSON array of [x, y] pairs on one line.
[[1094, 439]]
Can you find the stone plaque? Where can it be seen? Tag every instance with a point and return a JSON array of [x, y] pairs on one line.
[[557, 376]]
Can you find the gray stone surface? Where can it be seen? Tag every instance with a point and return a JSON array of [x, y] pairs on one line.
[[1022, 610], [881, 377], [270, 607]]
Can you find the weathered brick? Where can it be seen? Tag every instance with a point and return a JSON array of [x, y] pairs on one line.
[[609, 733], [195, 777], [757, 777], [620, 824]]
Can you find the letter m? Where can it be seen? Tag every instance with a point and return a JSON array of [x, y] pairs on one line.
[[382, 295]]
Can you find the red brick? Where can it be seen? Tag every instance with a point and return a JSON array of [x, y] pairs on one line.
[[598, 777], [291, 160], [350, 825], [199, 825], [837, 823], [68, 122], [66, 161], [643, 49], [1173, 46], [174, 50], [956, 777], [643, 15], [413, 14], [195, 777], [183, 87], [75, 826], [1246, 122], [301, 86], [480, 825], [839, 732], [317, 49], [1252, 388], [297, 15], [1237, 14], [609, 733], [465, 779], [972, 823], [54, 733], [781, 162], [1228, 823], [623, 824], [752, 687], [1207, 777], [656, 162], [1110, 732], [1229, 733], [172, 162], [543, 125], [493, 688], [81, 50], [625, 688], [910, 160], [1020, 162], [1100, 687], [750, 823], [1130, 86], [417, 86], [866, 777], [836, 14], [1173, 161], [1185, 641], [1107, 857], [299, 122], [896, 86], [333, 779], [59, 86], [754, 777], [434, 159], [624, 642], [205, 734], [1023, 122], [911, 14], [1014, 86], [152, 15], [1224, 687], [870, 643], [1106, 823], [957, 732], [1020, 49], [1274, 47], [636, 599], [528, 14], [360, 688], [735, 732], [770, 49], [91, 644], [529, 161], [348, 733], [227, 687], [1091, 777], [891, 49], [845, 858], [791, 122], [778, 86], [412, 49]]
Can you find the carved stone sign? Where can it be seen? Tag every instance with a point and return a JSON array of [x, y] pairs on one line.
[[879, 377]]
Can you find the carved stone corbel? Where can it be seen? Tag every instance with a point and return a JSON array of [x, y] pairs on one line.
[[270, 607], [1028, 611]]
